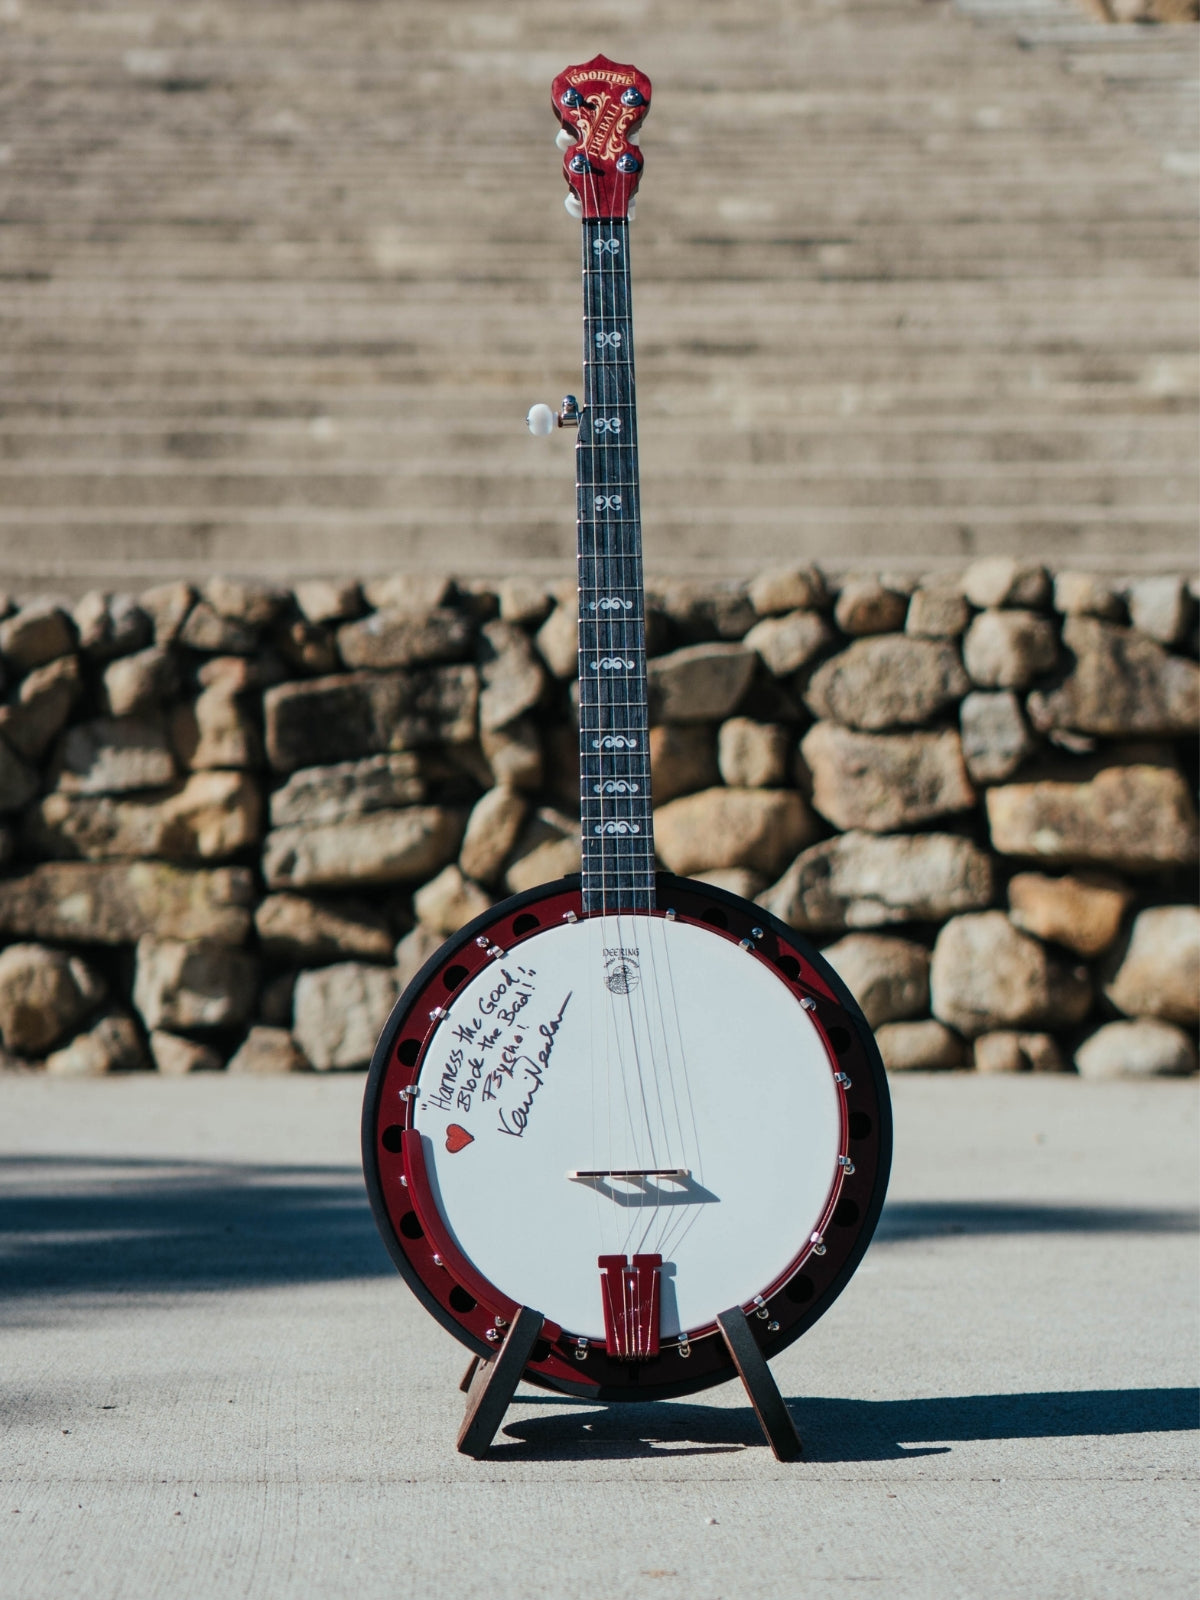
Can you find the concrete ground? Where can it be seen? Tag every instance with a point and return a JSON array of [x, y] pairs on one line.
[[216, 1385]]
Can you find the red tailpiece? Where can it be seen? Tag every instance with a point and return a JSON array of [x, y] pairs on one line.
[[631, 1306]]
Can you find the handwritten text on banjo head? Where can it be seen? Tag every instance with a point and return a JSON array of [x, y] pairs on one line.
[[500, 1057]]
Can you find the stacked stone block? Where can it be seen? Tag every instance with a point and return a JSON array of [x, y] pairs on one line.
[[237, 819]]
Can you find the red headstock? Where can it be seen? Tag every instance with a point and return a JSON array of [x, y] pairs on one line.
[[601, 104]]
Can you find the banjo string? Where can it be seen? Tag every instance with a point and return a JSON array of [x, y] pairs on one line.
[[598, 560], [608, 569], [640, 882], [608, 560], [658, 1039], [687, 1216]]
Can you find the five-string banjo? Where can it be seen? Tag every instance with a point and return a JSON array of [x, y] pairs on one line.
[[625, 1135]]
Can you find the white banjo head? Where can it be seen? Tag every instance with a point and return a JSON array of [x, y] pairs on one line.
[[567, 1080], [693, 1085]]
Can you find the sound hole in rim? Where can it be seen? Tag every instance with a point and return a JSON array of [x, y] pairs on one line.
[[860, 1125], [715, 917], [789, 966], [453, 976], [526, 923], [392, 1139], [846, 1213], [800, 1290], [410, 1226], [407, 1052], [840, 1038], [461, 1301]]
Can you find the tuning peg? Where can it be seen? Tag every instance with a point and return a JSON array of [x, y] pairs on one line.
[[565, 139], [574, 206], [542, 421]]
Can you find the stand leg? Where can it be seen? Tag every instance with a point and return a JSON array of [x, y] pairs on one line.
[[468, 1375], [495, 1382], [773, 1415]]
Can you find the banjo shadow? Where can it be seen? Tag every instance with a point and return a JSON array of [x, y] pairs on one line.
[[835, 1430]]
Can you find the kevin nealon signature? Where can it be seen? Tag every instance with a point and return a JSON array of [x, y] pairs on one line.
[[516, 1121]]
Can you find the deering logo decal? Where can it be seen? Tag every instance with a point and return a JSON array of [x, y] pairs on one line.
[[622, 974]]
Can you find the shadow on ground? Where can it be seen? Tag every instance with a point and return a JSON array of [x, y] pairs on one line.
[[86, 1226], [926, 1219], [845, 1430], [70, 1225]]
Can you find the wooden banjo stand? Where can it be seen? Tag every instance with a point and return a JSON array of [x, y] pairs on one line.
[[625, 1135]]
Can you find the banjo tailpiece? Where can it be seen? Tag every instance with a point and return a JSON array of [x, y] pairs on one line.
[[631, 1306]]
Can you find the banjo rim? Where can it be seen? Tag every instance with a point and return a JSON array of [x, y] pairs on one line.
[[867, 1094]]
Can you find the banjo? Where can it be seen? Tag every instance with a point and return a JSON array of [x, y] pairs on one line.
[[625, 1135]]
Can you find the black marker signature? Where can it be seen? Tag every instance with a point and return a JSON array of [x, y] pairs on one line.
[[535, 1073]]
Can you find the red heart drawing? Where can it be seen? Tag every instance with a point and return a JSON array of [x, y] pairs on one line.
[[458, 1138]]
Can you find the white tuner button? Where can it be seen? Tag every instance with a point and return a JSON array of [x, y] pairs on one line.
[[540, 421], [565, 139], [574, 206]]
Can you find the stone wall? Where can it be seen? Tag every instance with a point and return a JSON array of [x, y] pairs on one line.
[[237, 820]]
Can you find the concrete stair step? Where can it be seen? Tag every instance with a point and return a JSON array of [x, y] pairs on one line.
[[918, 280], [509, 490], [72, 556], [101, 447]]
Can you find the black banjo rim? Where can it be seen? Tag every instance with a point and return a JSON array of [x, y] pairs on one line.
[[803, 1294]]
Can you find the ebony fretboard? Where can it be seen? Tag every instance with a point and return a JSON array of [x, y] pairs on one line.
[[614, 756]]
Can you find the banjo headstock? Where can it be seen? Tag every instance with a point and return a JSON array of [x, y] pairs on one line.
[[601, 105]]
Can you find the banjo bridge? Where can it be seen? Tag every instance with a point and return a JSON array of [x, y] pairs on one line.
[[629, 1174], [630, 1289], [649, 1187]]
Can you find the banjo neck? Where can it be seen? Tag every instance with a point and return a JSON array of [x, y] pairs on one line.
[[614, 755], [599, 104]]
